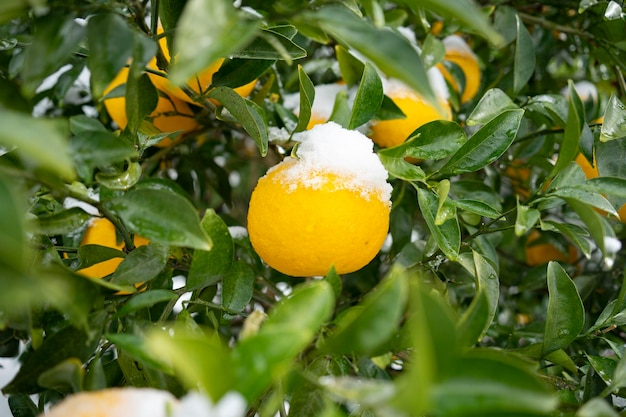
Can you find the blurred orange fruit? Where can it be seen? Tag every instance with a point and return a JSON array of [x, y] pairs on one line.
[[541, 253]]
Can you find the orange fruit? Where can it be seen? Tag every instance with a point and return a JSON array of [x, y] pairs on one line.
[[541, 253], [170, 115], [388, 133], [200, 83], [592, 172], [102, 232], [459, 53], [329, 206]]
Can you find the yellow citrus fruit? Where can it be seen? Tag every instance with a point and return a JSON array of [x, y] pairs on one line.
[[329, 206], [393, 132], [459, 53], [102, 232], [199, 83], [541, 253], [170, 114]]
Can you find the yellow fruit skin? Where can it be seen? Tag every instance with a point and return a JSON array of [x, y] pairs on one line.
[[170, 114], [388, 133], [102, 232], [471, 70], [542, 253], [199, 83], [306, 231]]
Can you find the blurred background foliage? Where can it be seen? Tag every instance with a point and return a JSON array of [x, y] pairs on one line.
[[500, 288]]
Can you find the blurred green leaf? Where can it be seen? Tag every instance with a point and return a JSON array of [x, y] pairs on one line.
[[474, 321], [197, 45], [388, 50], [566, 314], [246, 112], [592, 220], [465, 12], [162, 217], [365, 327], [207, 266], [145, 300], [11, 9], [596, 407], [614, 123], [369, 97], [307, 96], [137, 348], [110, 43], [41, 143], [289, 328], [486, 381], [448, 234], [237, 286], [524, 57], [62, 222], [22, 405], [140, 265], [67, 376], [56, 38], [491, 104], [487, 144], [92, 149], [433, 51], [66, 343]]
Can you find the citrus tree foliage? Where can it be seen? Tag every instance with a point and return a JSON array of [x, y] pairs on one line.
[[499, 291]]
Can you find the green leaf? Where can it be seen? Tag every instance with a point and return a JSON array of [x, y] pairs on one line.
[[524, 57], [198, 45], [21, 404], [307, 96], [271, 45], [465, 12], [388, 50], [66, 343], [92, 149], [401, 169], [592, 220], [62, 222], [491, 104], [41, 143], [289, 328], [486, 145], [566, 314], [208, 266], [121, 181], [110, 43], [365, 327], [434, 141], [65, 376], [56, 38], [606, 185], [448, 234], [368, 98], [587, 197], [11, 9], [162, 217], [526, 219], [485, 382], [145, 300], [474, 321], [350, 67], [93, 254], [246, 112], [140, 265], [237, 286], [341, 113], [137, 348], [141, 100], [236, 72], [614, 124], [433, 51], [596, 407], [573, 131]]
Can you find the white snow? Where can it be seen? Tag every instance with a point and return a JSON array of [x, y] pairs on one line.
[[330, 149]]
